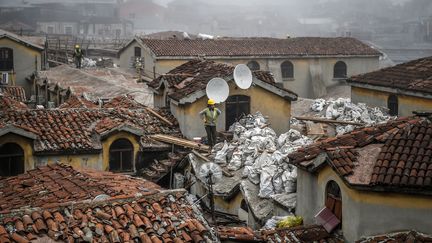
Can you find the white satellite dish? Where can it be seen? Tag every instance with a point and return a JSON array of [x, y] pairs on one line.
[[217, 89], [210, 173], [243, 76]]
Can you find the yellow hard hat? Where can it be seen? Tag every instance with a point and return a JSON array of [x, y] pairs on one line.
[[76, 46], [210, 102]]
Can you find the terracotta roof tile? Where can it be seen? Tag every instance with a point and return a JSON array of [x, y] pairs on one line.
[[411, 76], [78, 129], [98, 222], [194, 75], [397, 164], [75, 101], [238, 234], [398, 237], [123, 101], [15, 92], [59, 183], [301, 46], [8, 103]]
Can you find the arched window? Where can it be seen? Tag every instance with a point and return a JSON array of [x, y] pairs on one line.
[[6, 59], [287, 69], [340, 70], [11, 159], [121, 155], [253, 65], [334, 199], [137, 51], [235, 107], [393, 105]]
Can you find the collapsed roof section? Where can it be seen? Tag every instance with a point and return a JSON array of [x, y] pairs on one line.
[[94, 83], [81, 130], [188, 82], [258, 47], [414, 76], [60, 183], [394, 156]]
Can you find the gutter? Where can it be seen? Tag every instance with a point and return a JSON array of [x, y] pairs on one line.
[[263, 57], [389, 89]]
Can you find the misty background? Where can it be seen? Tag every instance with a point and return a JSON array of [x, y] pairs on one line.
[[403, 28]]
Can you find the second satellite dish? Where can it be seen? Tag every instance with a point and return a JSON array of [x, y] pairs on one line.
[[243, 76], [217, 89]]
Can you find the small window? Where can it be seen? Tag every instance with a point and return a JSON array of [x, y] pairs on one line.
[[137, 51], [393, 105], [287, 69], [50, 30], [68, 30], [235, 107], [6, 59], [121, 156], [11, 159], [253, 65], [340, 70]]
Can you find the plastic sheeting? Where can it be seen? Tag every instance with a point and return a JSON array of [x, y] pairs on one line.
[[262, 155], [342, 109]]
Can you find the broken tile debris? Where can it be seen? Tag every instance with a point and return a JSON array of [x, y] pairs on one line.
[[397, 237], [60, 183]]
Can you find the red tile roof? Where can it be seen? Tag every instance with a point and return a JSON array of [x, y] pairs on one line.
[[15, 92], [79, 130], [313, 233], [59, 183], [399, 237], [123, 101], [194, 75], [393, 155], [158, 218], [75, 101], [301, 46], [8, 103], [411, 76]]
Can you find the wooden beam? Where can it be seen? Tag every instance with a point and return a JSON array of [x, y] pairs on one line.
[[180, 142], [324, 120], [159, 116]]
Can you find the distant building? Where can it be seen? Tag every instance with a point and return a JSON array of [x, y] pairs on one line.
[[306, 65], [183, 90], [374, 180], [20, 56], [403, 88]]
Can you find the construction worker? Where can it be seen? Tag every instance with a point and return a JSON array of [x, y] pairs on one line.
[[209, 116], [78, 55]]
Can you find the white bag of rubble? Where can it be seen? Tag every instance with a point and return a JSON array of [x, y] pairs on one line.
[[266, 181], [278, 183], [235, 162], [221, 155], [289, 178], [260, 120], [231, 148], [318, 105], [268, 132]]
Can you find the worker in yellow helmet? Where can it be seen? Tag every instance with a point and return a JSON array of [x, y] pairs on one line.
[[78, 55], [209, 116]]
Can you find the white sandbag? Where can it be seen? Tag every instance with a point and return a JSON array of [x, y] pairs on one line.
[[318, 105], [266, 181], [221, 155], [235, 162]]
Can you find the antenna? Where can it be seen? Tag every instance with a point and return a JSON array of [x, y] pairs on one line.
[[243, 76], [217, 89], [210, 173]]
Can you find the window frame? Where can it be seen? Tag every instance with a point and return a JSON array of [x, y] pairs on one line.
[[285, 67], [13, 157], [393, 105], [121, 151], [338, 70], [6, 63], [237, 102]]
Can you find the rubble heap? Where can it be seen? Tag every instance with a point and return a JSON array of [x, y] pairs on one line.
[[342, 109], [262, 155]]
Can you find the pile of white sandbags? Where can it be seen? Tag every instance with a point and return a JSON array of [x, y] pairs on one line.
[[262, 155], [342, 109]]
